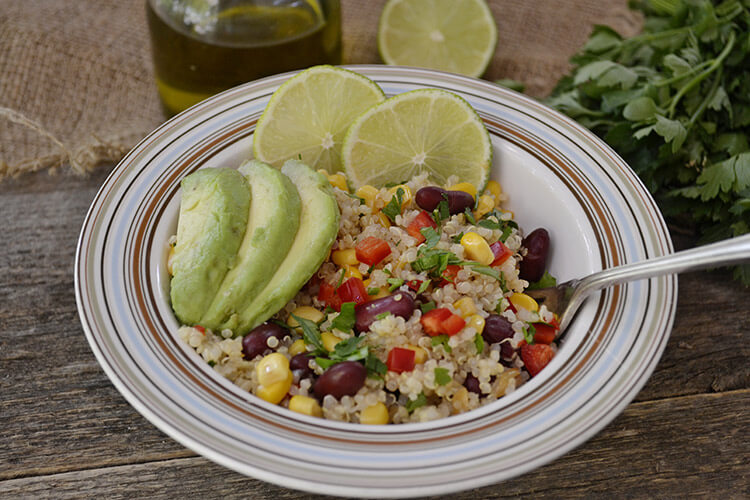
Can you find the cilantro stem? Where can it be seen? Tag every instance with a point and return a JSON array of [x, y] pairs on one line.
[[695, 81], [711, 93]]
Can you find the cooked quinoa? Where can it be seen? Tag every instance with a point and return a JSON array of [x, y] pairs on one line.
[[450, 373]]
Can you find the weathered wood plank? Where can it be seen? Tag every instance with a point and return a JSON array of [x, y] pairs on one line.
[[695, 445]]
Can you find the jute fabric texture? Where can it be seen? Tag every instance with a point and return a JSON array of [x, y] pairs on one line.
[[77, 90]]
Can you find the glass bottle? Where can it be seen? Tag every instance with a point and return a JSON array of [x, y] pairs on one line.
[[201, 47]]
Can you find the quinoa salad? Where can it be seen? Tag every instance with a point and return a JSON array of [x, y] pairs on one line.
[[417, 313]]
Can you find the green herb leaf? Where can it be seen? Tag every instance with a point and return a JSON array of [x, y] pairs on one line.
[[394, 283], [442, 376], [479, 343], [310, 333], [441, 212], [375, 368], [382, 315], [431, 236], [393, 207], [427, 306], [442, 340], [324, 363], [546, 281], [346, 318], [373, 291], [423, 286], [528, 334], [470, 216], [413, 404]]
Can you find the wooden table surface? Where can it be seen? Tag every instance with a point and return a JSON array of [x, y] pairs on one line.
[[67, 432]]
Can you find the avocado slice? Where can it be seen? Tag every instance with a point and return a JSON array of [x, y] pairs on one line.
[[272, 226], [213, 217], [319, 225]]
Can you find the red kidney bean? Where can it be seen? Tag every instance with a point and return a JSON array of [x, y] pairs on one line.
[[459, 201], [429, 197], [256, 341], [300, 365], [472, 384], [341, 379], [535, 261], [497, 329], [398, 304]]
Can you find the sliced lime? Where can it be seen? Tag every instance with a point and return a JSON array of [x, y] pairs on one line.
[[307, 117], [449, 35], [426, 130]]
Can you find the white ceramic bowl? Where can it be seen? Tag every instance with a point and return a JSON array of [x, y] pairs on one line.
[[558, 176]]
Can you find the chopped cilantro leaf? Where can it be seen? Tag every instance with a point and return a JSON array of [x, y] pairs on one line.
[[310, 333], [428, 306], [442, 212], [375, 367], [423, 286], [394, 283], [211, 363], [373, 291], [431, 236], [382, 315], [413, 404], [324, 363], [393, 208], [442, 376], [479, 342], [442, 340], [345, 320], [528, 334], [457, 238], [470, 216], [547, 280]]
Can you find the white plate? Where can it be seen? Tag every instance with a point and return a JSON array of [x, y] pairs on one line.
[[558, 176]]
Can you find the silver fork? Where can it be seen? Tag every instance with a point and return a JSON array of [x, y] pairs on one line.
[[565, 298]]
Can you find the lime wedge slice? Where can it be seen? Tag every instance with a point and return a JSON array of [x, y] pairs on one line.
[[449, 35], [307, 117], [426, 130]]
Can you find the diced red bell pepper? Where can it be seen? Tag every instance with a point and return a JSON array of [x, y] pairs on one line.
[[432, 321], [372, 250], [544, 333], [536, 357], [400, 360], [329, 297], [423, 219], [441, 321], [200, 329], [449, 275], [353, 290], [501, 253], [453, 324]]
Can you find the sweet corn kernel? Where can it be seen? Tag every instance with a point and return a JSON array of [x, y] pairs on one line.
[[352, 272], [339, 181], [329, 340], [274, 393], [306, 312], [384, 220], [376, 414], [523, 301], [273, 368], [347, 257], [477, 248], [466, 306], [406, 197], [476, 321], [466, 187], [297, 347], [494, 188], [305, 405], [420, 355], [367, 193], [485, 206]]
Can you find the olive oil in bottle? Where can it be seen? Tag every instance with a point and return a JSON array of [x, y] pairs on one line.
[[201, 47]]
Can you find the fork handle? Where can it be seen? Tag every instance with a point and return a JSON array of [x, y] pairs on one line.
[[721, 253]]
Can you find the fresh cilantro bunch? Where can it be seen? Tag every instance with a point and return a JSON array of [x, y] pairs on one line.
[[674, 102]]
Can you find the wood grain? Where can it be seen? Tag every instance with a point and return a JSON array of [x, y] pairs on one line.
[[68, 433]]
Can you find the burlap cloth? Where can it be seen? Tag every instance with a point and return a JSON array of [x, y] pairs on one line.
[[76, 84]]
